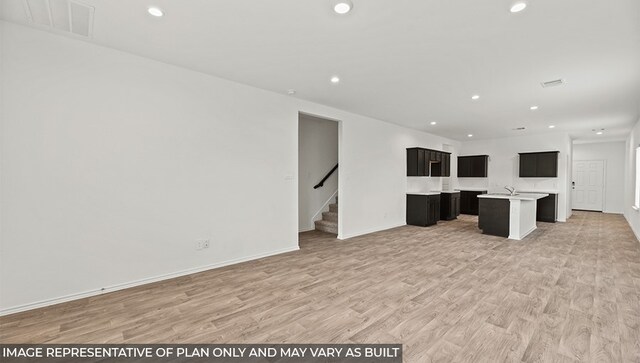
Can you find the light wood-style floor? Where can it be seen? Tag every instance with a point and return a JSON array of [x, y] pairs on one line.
[[568, 292]]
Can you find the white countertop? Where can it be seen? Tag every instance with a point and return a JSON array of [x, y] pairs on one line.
[[472, 189], [543, 191], [424, 193], [450, 191], [523, 196]]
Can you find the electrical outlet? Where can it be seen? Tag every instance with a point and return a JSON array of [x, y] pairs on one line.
[[202, 244]]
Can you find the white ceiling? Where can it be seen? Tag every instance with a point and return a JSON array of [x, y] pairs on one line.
[[406, 61]]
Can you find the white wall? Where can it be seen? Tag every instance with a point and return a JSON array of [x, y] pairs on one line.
[[632, 215], [113, 165], [569, 186], [317, 154], [613, 154], [504, 165]]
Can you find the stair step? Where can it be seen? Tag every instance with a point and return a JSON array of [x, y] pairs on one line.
[[333, 207], [330, 216], [327, 226]]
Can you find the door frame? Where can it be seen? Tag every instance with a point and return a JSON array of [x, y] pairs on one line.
[[604, 184], [340, 180]]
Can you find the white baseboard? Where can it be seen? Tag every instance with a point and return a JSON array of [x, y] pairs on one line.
[[126, 285], [636, 233], [524, 234], [372, 230]]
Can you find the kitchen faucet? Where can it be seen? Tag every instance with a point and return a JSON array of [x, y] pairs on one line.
[[511, 190]]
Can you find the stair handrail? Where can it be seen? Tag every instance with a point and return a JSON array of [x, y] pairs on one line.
[[321, 184]]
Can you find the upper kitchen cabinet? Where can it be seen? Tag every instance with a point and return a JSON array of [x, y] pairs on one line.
[[427, 162], [416, 162], [539, 164], [473, 166], [442, 165]]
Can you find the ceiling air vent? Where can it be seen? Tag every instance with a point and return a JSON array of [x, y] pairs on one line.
[[68, 16], [80, 19], [555, 82], [38, 12], [518, 129]]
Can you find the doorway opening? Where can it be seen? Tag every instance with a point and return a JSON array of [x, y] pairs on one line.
[[318, 173]]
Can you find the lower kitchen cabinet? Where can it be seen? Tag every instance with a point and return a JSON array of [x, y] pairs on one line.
[[449, 206], [469, 203], [422, 209], [547, 209]]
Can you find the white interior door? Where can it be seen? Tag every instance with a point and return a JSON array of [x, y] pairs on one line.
[[588, 184]]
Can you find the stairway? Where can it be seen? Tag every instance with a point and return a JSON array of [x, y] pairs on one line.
[[329, 221]]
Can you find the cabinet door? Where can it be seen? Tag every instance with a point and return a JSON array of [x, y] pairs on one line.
[[528, 165], [455, 205], [417, 210], [547, 209], [415, 162], [474, 204], [412, 162], [433, 210], [464, 167], [446, 165], [479, 166], [476, 166], [444, 206], [464, 202], [547, 165]]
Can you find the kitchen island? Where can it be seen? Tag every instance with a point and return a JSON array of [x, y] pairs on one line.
[[508, 215]]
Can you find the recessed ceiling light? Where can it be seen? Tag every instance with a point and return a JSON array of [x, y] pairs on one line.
[[475, 97], [470, 135], [342, 7], [155, 11], [599, 133], [518, 7], [291, 92], [335, 79], [552, 126], [533, 108], [433, 122]]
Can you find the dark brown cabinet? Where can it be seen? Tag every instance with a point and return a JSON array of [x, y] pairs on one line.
[[494, 216], [427, 162], [446, 164], [449, 206], [423, 210], [547, 209], [416, 162], [539, 164], [473, 166], [469, 203]]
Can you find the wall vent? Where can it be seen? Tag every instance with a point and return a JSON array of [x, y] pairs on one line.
[[519, 128], [554, 83], [38, 12], [68, 16], [80, 19]]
